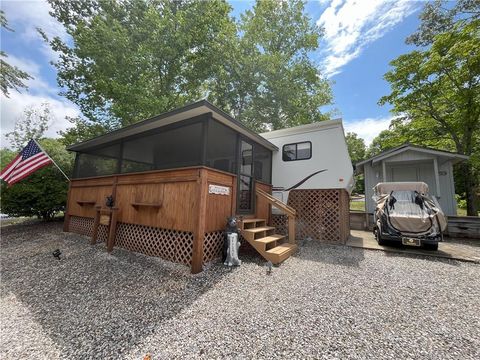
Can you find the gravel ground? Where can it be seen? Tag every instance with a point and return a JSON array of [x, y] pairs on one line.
[[325, 302]]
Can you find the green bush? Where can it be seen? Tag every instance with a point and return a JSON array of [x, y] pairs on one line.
[[461, 201], [42, 194]]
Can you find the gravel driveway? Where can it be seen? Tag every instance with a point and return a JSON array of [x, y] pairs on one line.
[[325, 302]]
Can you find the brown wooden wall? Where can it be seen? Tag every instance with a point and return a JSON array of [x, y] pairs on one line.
[[172, 194], [219, 207]]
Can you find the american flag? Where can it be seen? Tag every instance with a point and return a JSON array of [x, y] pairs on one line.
[[30, 159]]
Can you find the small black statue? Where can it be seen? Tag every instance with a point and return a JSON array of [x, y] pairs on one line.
[[109, 202], [231, 242], [57, 254]]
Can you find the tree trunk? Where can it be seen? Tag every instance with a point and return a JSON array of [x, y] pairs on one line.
[[470, 185]]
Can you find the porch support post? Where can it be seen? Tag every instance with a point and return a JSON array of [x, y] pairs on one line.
[[66, 219], [437, 179], [384, 169], [199, 233]]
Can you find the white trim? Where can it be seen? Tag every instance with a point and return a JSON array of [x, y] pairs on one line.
[[384, 170], [437, 179], [426, 151], [302, 129]]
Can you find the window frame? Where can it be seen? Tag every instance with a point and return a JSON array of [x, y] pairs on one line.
[[296, 151]]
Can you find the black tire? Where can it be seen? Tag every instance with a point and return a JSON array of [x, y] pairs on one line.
[[432, 247], [378, 237]]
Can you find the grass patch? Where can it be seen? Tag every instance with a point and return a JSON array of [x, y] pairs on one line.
[[357, 205]]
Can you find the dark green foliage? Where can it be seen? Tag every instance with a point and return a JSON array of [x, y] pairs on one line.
[[356, 150], [134, 59], [42, 194]]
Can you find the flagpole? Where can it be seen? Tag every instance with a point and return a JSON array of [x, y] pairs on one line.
[[54, 163]]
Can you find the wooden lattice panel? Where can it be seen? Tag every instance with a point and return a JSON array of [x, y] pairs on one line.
[[321, 214], [280, 222], [84, 226], [168, 244], [212, 246]]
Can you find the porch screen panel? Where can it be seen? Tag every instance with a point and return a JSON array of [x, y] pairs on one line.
[[262, 167], [98, 162], [221, 144], [167, 149]]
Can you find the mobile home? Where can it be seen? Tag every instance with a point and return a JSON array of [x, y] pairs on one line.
[[172, 181], [313, 173]]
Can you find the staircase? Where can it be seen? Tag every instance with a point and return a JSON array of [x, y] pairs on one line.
[[271, 246]]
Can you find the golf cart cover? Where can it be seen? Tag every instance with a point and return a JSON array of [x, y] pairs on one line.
[[409, 208]]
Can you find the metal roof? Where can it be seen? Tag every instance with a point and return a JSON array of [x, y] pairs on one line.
[[186, 112], [408, 146]]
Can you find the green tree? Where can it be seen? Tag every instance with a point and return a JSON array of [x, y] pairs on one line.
[[11, 77], [437, 89], [271, 83], [134, 59], [356, 150], [32, 125], [42, 194], [356, 147]]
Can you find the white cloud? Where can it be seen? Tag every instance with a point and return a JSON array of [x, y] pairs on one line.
[[12, 109], [351, 25], [25, 16], [38, 93], [368, 128], [36, 84]]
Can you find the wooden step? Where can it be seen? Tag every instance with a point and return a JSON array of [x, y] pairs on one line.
[[257, 232], [281, 252], [252, 220], [259, 229], [267, 242], [269, 239], [252, 223], [280, 249]]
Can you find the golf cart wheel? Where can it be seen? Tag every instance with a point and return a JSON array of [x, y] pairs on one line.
[[378, 237], [433, 247]]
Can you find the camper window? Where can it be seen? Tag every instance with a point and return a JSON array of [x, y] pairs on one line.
[[298, 151]]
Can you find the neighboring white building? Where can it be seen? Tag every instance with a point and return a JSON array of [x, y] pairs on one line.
[[304, 151], [413, 163]]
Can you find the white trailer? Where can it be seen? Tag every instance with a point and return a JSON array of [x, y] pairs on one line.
[[313, 156]]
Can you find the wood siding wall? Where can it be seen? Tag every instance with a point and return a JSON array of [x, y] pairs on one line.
[[175, 200], [168, 198]]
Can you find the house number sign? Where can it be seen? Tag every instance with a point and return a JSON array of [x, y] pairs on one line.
[[219, 190]]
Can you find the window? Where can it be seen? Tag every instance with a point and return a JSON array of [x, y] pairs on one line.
[[298, 151]]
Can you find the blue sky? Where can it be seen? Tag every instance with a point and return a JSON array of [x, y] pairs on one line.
[[361, 37]]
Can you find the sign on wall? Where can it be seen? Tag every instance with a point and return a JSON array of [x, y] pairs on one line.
[[218, 190]]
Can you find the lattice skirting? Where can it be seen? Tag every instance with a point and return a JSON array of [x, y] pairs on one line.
[[168, 244], [212, 246], [280, 222], [84, 226], [321, 214]]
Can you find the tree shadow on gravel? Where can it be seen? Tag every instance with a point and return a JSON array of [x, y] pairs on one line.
[[313, 250], [92, 304]]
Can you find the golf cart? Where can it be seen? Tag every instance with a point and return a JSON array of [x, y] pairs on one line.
[[405, 213]]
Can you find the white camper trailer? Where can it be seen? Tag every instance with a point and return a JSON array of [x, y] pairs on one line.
[[313, 156]]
